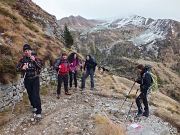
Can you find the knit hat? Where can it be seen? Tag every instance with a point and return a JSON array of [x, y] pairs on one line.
[[27, 47]]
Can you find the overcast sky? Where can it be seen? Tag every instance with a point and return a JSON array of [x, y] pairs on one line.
[[107, 9]]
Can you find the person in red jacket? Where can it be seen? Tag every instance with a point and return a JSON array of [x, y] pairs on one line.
[[62, 66]]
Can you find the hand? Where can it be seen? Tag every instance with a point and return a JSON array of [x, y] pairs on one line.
[[136, 79], [73, 71], [25, 66], [32, 58], [84, 72], [59, 66]]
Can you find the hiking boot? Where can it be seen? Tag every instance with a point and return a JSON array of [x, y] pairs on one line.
[[91, 88], [38, 117], [145, 114], [138, 115], [34, 110], [75, 88], [68, 93], [58, 96], [70, 88], [81, 89]]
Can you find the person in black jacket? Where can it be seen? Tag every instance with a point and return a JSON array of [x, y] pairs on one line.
[[89, 68], [30, 67], [145, 82]]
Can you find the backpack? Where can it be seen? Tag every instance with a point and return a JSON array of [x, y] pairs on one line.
[[154, 84], [64, 67], [93, 59]]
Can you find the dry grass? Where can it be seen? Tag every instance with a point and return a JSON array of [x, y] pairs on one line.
[[105, 127], [167, 116]]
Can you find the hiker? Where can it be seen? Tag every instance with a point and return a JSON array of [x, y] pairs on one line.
[[30, 66], [88, 70], [74, 62], [145, 82], [62, 66]]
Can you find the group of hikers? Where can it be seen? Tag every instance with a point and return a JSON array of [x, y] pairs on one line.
[[30, 65], [67, 66]]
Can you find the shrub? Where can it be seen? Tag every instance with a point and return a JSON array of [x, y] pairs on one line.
[[7, 66], [5, 50]]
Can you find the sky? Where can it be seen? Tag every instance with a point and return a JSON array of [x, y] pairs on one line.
[[111, 9]]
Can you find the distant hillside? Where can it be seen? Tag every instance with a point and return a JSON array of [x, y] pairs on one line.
[[77, 22], [120, 43]]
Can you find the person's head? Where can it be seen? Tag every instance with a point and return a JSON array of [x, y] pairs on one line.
[[64, 55], [88, 57], [72, 57], [140, 68], [27, 50]]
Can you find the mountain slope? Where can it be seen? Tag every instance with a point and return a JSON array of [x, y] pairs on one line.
[[23, 22], [134, 38]]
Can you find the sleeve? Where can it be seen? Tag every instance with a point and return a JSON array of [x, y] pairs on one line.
[[69, 67], [85, 66], [56, 66], [37, 63], [19, 65]]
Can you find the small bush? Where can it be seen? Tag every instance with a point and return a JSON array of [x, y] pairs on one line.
[[5, 50], [7, 66]]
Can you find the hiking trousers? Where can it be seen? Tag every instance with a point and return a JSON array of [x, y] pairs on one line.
[[91, 73], [62, 78], [73, 76], [33, 86], [142, 96]]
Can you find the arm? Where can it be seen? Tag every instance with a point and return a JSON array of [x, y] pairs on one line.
[[56, 66], [85, 66], [146, 82], [20, 65]]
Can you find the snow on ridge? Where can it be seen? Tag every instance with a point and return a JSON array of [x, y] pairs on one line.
[[158, 29]]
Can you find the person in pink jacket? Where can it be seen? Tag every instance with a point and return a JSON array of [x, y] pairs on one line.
[[74, 62]]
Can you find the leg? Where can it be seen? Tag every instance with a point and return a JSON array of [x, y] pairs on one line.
[[84, 79], [28, 87], [59, 84], [75, 79], [71, 79], [138, 103], [65, 79], [36, 96], [92, 78], [146, 106]]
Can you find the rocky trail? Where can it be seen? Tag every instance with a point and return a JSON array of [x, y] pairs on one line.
[[73, 115]]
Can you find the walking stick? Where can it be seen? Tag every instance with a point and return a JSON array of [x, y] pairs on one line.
[[128, 94], [131, 105], [14, 102]]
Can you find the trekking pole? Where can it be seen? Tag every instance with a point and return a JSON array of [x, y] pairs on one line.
[[128, 94], [14, 102], [131, 105]]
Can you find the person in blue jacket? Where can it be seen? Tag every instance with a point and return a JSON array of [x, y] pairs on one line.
[[145, 81]]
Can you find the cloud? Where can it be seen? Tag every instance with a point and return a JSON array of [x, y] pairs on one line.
[[93, 9]]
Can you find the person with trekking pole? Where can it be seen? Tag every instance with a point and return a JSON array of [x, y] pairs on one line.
[[30, 66], [62, 66], [89, 68], [145, 81], [74, 62]]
